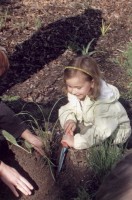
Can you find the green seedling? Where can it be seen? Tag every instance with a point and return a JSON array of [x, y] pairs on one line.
[[9, 98], [38, 23], [86, 50], [128, 59], [102, 158], [3, 19], [104, 28], [44, 132], [21, 25]]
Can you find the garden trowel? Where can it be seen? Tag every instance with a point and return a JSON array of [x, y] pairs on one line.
[[62, 156]]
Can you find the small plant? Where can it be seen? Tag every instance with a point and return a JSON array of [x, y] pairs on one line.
[[22, 25], [103, 157], [73, 46], [124, 59], [38, 23], [128, 59], [9, 98], [45, 132], [13, 141], [104, 28], [86, 50], [3, 19]]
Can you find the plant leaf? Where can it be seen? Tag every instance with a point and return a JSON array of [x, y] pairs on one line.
[[12, 140]]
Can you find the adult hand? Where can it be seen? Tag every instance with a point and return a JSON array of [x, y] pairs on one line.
[[34, 140], [14, 180], [69, 127], [68, 139]]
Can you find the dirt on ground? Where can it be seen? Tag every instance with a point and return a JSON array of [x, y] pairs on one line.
[[41, 37]]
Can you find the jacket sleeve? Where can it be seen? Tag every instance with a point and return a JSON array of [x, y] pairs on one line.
[[10, 122], [65, 113], [106, 123]]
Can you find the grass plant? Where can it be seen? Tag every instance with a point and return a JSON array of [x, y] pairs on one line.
[[3, 19], [38, 23], [103, 157], [104, 28], [124, 59], [9, 98], [86, 50], [128, 59], [45, 132]]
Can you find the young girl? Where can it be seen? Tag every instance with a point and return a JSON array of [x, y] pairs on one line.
[[118, 184], [93, 103]]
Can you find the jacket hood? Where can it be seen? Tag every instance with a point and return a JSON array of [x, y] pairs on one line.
[[109, 93]]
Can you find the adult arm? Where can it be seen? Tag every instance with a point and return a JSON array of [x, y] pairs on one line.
[[14, 125], [10, 122]]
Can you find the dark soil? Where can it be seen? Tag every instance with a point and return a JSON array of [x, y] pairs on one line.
[[41, 37]]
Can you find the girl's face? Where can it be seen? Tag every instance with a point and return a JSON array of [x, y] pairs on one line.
[[79, 86]]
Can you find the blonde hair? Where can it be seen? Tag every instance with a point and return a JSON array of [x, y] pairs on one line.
[[4, 62], [88, 67]]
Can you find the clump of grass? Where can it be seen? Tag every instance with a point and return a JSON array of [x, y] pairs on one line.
[[86, 50], [38, 23], [104, 28], [128, 59], [102, 157], [45, 132], [125, 60], [9, 98], [3, 19]]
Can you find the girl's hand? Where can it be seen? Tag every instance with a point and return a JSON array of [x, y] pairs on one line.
[[34, 141], [69, 127], [68, 139], [14, 180]]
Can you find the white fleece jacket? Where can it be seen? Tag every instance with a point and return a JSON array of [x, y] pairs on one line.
[[102, 117]]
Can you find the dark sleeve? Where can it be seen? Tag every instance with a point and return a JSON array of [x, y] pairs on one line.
[[10, 122]]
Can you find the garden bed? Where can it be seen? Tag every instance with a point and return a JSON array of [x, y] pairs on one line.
[[41, 38]]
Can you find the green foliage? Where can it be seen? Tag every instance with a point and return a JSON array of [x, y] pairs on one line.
[[38, 23], [21, 26], [82, 195], [86, 50], [44, 132], [128, 59], [3, 19], [12, 140], [124, 59], [102, 158], [104, 28], [9, 98], [28, 146]]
